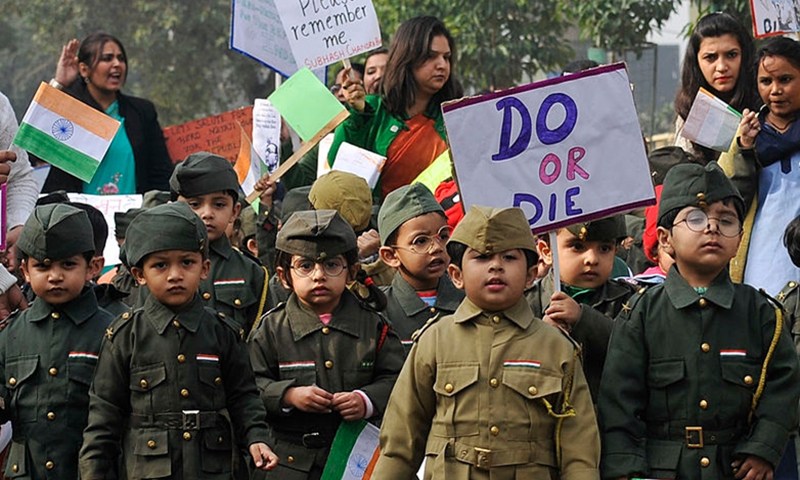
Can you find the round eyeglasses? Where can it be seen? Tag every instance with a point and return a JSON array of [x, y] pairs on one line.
[[697, 220], [306, 267], [423, 244]]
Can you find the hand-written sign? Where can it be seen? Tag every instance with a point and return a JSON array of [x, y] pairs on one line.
[[774, 17], [565, 150], [218, 134], [108, 206], [257, 31], [322, 32]]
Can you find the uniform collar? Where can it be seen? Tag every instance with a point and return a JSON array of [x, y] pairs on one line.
[[447, 296], [303, 321], [78, 310], [161, 316], [222, 247], [681, 294], [520, 313]]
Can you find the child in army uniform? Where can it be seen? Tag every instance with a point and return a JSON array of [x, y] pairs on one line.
[[701, 380], [491, 391], [589, 299], [173, 389], [323, 356], [414, 232], [49, 351], [237, 285]]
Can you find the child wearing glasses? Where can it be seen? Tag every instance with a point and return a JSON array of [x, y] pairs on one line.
[[323, 356], [701, 379], [414, 230]]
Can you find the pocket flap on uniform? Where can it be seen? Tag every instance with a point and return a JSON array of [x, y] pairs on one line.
[[663, 455], [81, 370], [235, 295], [531, 383], [451, 379], [20, 369], [742, 372], [144, 378], [151, 442], [665, 373], [210, 374], [16, 463], [217, 439]]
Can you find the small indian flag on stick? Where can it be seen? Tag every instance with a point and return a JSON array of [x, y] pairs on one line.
[[354, 452], [66, 132]]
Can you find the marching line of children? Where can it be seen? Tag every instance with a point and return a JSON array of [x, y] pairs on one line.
[[502, 375]]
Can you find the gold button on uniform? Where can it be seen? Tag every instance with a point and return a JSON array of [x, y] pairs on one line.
[[181, 358], [151, 444], [702, 302], [642, 290], [184, 393], [237, 302], [218, 381], [704, 462], [328, 364], [187, 436], [703, 404], [206, 296], [326, 330], [143, 383], [55, 315], [51, 416], [220, 439], [53, 371], [290, 459], [748, 380], [433, 309], [705, 347], [496, 319], [792, 284], [12, 381], [532, 390], [494, 382], [176, 324], [49, 465], [448, 388], [126, 315], [494, 430], [15, 468]]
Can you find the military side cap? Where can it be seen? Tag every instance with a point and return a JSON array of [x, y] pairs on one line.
[[346, 193], [316, 234], [123, 219], [602, 230], [492, 230], [202, 173], [154, 198], [403, 204], [248, 218], [295, 200], [56, 231], [690, 184], [173, 226]]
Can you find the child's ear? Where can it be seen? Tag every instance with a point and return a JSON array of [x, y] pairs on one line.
[[24, 267], [282, 277], [138, 276], [530, 276], [96, 265], [389, 257], [252, 246], [206, 269], [544, 251], [665, 241], [237, 208], [456, 276]]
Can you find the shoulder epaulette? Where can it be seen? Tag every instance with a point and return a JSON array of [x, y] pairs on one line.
[[772, 300], [415, 336], [571, 340], [628, 306], [229, 321], [787, 289], [118, 323]]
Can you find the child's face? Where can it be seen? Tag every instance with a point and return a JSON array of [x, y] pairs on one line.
[[58, 282], [705, 252], [172, 276], [419, 254], [493, 282], [583, 263], [319, 286], [779, 86], [217, 210]]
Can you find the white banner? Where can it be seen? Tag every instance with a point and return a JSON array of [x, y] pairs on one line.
[[109, 205]]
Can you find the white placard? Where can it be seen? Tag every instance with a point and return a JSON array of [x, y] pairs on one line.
[[711, 122], [361, 162], [322, 155], [565, 150], [257, 31], [109, 205], [267, 134], [323, 32], [774, 17]]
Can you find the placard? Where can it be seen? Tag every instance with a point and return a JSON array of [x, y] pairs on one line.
[[305, 103], [565, 150], [108, 206], [774, 17], [216, 134], [257, 32]]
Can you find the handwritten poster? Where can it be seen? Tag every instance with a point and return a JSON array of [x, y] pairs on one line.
[[108, 205], [564, 150], [216, 134], [267, 134], [257, 31], [775, 17]]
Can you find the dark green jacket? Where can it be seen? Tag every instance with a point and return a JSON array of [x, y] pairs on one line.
[[47, 356], [593, 330], [679, 359], [408, 312], [293, 348], [789, 296], [156, 364]]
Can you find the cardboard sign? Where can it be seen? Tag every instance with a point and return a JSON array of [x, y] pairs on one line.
[[305, 103], [267, 134], [322, 32], [257, 32], [774, 17], [565, 150], [359, 161], [216, 134], [108, 205], [711, 122]]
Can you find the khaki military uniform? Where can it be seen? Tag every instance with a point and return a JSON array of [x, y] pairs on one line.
[[47, 356], [293, 348], [680, 378], [174, 392], [408, 312], [593, 329], [490, 395]]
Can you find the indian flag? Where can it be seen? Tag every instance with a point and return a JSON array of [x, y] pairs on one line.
[[248, 164], [354, 452], [66, 132]]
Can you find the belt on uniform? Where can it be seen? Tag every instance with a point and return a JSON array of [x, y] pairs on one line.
[[185, 420], [308, 440], [695, 436], [485, 458]]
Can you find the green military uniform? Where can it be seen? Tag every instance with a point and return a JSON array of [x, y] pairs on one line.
[[789, 296], [497, 395], [47, 356], [173, 391], [292, 347], [237, 286], [696, 378]]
